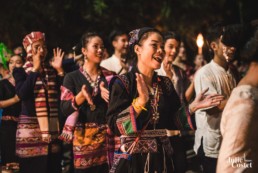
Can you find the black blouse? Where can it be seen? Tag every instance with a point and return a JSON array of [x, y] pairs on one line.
[[74, 81], [7, 91], [121, 97]]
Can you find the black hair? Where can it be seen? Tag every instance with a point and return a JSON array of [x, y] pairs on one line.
[[236, 35], [77, 49], [22, 58], [214, 32], [142, 35], [87, 36], [116, 33], [113, 37], [172, 35]]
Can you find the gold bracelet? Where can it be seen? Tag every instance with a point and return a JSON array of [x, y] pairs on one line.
[[137, 106]]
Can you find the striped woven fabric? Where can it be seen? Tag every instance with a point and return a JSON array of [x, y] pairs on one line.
[[46, 100], [28, 138]]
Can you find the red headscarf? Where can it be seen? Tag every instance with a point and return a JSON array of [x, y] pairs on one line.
[[30, 39]]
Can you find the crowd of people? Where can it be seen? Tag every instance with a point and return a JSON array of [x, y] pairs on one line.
[[133, 111]]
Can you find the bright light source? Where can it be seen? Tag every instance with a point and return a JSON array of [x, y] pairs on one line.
[[199, 42]]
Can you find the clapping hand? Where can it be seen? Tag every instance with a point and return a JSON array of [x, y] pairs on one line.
[[142, 90], [104, 92], [86, 95]]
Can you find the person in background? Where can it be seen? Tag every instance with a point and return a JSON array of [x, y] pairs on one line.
[[4, 73], [19, 50], [37, 86], [219, 78], [182, 60], [11, 106], [69, 62], [181, 83], [239, 151], [117, 62]]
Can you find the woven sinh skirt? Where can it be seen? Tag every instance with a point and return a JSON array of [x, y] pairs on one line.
[[28, 138], [89, 145]]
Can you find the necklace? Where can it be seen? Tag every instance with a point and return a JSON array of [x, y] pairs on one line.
[[155, 104], [93, 84]]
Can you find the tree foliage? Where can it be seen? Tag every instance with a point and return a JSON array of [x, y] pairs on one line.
[[64, 21]]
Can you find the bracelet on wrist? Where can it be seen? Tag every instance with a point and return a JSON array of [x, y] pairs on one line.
[[137, 106]]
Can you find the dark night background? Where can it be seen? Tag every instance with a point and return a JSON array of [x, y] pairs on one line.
[[64, 21]]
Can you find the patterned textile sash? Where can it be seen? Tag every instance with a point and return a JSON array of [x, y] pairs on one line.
[[10, 118], [113, 144], [68, 129], [46, 99], [147, 143], [155, 133], [89, 145], [142, 146], [28, 138]]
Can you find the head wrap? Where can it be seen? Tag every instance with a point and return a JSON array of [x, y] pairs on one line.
[[30, 39], [4, 55], [136, 35]]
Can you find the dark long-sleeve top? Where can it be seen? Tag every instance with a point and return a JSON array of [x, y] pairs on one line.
[[182, 84], [7, 91], [73, 82], [25, 84], [121, 116]]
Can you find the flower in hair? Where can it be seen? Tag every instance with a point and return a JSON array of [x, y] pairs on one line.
[[134, 37]]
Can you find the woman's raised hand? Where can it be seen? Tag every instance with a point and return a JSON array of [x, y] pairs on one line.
[[142, 90], [36, 59], [57, 59]]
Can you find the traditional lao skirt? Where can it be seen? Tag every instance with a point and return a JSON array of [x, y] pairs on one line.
[[28, 138], [89, 145]]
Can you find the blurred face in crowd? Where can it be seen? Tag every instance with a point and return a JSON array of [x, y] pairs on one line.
[[3, 72], [228, 52], [171, 49], [181, 52], [199, 61], [15, 61], [18, 50], [150, 50], [224, 53], [40, 46], [120, 43], [94, 49]]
